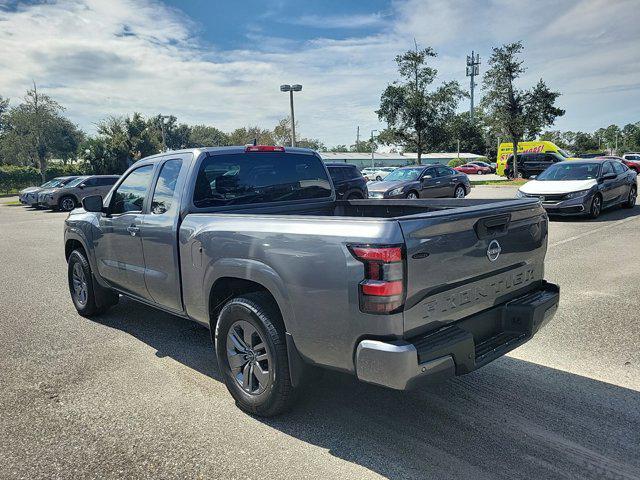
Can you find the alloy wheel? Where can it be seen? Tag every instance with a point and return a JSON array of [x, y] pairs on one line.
[[412, 196], [80, 288], [249, 358], [596, 206], [67, 204], [633, 193], [459, 193]]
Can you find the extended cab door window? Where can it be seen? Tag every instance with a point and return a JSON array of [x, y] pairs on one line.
[[163, 194]]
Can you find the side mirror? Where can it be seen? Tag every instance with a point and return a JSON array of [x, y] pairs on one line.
[[532, 177], [609, 176], [427, 177], [93, 203], [81, 186]]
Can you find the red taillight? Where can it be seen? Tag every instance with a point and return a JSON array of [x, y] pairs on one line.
[[382, 290], [263, 148]]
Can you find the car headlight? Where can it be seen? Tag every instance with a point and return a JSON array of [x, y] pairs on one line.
[[395, 191], [521, 194], [580, 193]]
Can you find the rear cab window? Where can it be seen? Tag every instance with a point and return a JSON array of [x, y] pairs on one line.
[[259, 177]]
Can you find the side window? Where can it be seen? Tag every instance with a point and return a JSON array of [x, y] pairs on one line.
[[607, 168], [430, 172], [130, 195], [351, 173], [90, 182], [619, 168], [107, 181], [444, 171], [165, 187]]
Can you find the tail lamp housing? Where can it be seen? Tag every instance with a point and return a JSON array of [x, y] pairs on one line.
[[382, 290]]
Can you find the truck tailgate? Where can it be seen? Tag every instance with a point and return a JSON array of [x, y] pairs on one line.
[[465, 260]]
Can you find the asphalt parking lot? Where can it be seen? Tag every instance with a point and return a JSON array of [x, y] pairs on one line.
[[136, 393]]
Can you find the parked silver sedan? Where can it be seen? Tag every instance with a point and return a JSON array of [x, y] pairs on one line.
[[69, 196]]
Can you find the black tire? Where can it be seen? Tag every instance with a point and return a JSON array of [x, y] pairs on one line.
[[412, 195], [67, 203], [378, 178], [354, 196], [254, 311], [631, 200], [457, 190], [480, 172], [89, 304], [596, 206]]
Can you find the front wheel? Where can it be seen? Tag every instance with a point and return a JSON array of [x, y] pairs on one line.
[[378, 178], [459, 192], [252, 354], [596, 206], [412, 196], [480, 172], [631, 200], [83, 289], [66, 204]]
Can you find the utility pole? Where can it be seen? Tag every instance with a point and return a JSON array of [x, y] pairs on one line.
[[372, 147], [164, 135], [357, 136], [473, 69]]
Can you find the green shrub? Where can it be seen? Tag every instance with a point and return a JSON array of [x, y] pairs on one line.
[[14, 177], [456, 162]]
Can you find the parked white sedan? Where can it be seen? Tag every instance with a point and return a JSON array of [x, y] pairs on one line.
[[376, 173]]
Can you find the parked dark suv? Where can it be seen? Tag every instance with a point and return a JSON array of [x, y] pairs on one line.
[[348, 181], [533, 163]]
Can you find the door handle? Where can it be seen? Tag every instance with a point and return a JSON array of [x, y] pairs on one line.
[[133, 230]]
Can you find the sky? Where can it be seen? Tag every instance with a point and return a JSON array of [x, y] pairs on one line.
[[221, 62]]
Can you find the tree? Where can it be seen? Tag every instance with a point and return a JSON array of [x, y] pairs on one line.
[[206, 136], [247, 135], [282, 136], [416, 116], [514, 112], [35, 131], [469, 133]]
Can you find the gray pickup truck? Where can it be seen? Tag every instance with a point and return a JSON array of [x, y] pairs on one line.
[[251, 243]]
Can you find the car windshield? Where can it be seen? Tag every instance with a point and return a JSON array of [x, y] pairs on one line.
[[404, 175], [75, 182], [51, 183], [571, 171]]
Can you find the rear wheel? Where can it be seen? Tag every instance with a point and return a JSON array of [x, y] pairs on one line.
[[596, 206], [354, 196], [631, 200], [378, 178], [66, 204], [479, 172], [252, 354], [459, 192]]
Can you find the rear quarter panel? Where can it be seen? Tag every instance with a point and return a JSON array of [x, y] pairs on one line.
[[304, 262]]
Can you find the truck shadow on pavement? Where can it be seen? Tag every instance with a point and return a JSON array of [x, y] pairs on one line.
[[511, 419]]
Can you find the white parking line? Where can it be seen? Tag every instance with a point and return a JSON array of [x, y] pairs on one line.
[[603, 227]]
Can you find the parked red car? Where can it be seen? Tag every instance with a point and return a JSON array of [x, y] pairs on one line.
[[473, 169], [629, 160]]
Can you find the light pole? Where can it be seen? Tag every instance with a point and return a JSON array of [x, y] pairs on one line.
[[473, 69], [292, 88], [372, 146], [164, 137]]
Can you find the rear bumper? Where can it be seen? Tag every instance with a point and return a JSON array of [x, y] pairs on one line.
[[458, 348]]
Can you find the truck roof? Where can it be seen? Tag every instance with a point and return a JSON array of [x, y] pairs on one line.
[[222, 150]]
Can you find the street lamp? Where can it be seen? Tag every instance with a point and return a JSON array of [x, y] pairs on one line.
[[291, 89], [372, 146], [163, 119]]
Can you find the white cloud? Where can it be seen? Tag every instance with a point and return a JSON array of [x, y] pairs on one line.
[[339, 21], [100, 58]]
